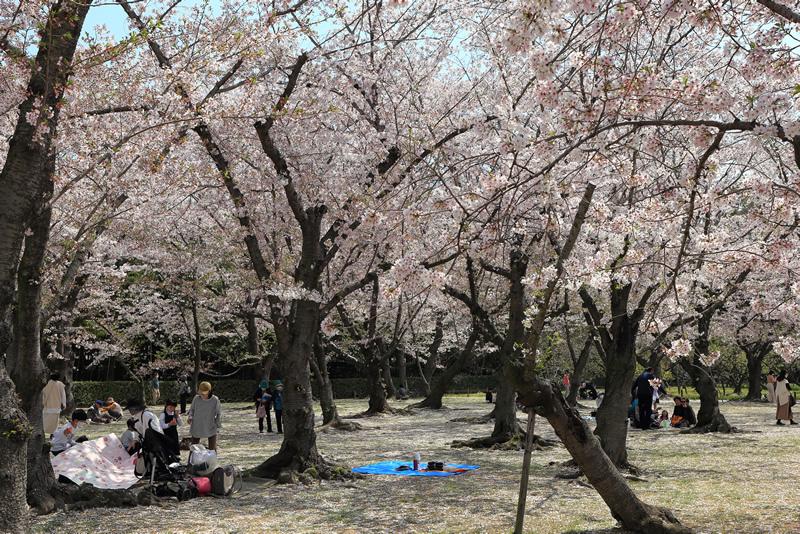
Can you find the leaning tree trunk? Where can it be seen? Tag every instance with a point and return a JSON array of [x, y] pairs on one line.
[[319, 364], [598, 468], [442, 385], [386, 371]]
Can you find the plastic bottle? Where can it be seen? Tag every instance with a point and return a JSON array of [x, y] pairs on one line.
[[416, 461]]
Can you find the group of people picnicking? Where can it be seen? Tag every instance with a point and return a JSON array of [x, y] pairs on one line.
[[204, 417]]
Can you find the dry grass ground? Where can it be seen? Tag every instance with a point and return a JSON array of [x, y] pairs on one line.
[[739, 483]]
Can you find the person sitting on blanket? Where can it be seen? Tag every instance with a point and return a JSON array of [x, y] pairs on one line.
[[64, 437], [130, 438]]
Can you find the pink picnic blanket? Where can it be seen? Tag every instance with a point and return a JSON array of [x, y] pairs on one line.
[[101, 462]]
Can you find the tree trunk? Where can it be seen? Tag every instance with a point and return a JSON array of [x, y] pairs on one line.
[[617, 341], [598, 468], [28, 369], [14, 513], [319, 364], [400, 355], [755, 359], [578, 363], [427, 370], [386, 371], [434, 398], [298, 451], [377, 391], [709, 417], [505, 411]]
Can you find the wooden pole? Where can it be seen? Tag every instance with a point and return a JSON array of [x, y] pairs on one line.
[[526, 470]]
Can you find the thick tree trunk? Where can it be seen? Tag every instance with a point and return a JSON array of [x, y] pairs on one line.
[[709, 417], [440, 387], [755, 359], [14, 513], [298, 451], [612, 429], [598, 468], [28, 369], [578, 364], [377, 391], [505, 412]]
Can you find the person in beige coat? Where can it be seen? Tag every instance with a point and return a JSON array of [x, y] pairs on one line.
[[770, 387], [54, 401], [783, 398]]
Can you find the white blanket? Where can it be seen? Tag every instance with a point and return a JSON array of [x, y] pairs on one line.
[[101, 462]]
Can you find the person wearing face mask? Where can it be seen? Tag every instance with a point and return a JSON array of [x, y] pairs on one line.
[[64, 437], [277, 400], [205, 416], [144, 418], [170, 420]]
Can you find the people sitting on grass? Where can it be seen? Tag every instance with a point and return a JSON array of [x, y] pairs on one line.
[[678, 420], [688, 412], [96, 415], [587, 390], [64, 437], [113, 409]]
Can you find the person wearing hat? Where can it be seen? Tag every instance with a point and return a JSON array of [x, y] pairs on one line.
[[277, 400], [263, 400], [205, 416], [143, 417], [96, 414]]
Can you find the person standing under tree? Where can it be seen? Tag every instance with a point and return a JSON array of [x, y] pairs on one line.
[[783, 399], [205, 416], [771, 386], [183, 391], [566, 383], [277, 399], [154, 385], [263, 400], [54, 401], [643, 391]]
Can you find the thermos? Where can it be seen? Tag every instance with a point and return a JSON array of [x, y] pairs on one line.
[[416, 461]]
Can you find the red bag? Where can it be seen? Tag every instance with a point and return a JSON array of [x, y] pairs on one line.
[[203, 485]]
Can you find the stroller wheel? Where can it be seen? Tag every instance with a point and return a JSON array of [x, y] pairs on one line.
[[184, 494]]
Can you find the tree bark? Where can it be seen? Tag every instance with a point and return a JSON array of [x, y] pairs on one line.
[[14, 513], [427, 370], [755, 358]]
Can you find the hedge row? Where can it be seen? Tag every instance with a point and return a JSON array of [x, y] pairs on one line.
[[242, 390]]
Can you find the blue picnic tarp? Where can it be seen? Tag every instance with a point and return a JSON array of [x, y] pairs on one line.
[[388, 468]]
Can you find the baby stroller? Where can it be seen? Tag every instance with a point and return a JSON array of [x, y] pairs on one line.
[[168, 478]]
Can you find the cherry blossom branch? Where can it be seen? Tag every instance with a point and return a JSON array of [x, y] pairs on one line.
[[780, 9]]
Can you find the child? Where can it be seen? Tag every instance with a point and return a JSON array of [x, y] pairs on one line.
[[170, 420], [263, 398], [64, 437], [130, 438], [663, 421]]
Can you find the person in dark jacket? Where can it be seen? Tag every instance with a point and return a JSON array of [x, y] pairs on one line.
[[263, 400], [688, 412], [169, 421], [277, 400], [643, 391]]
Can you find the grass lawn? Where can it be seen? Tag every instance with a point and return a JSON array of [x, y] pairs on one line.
[[739, 483]]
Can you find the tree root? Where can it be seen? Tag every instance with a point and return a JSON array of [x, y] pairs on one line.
[[504, 442], [341, 425], [715, 425], [291, 469], [482, 420], [661, 521]]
